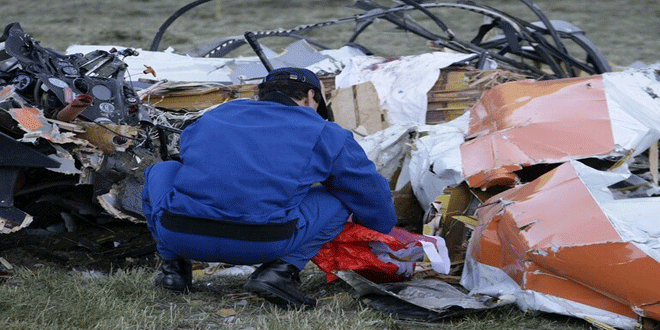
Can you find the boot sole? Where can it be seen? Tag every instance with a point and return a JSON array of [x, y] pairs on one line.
[[275, 295], [176, 290]]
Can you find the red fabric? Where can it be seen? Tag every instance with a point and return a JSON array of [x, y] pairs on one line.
[[350, 250]]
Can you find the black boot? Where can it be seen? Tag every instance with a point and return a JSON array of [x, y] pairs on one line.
[[278, 282], [175, 275]]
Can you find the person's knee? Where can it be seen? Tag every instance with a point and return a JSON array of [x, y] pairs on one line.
[[328, 212], [162, 170], [157, 183], [320, 195]]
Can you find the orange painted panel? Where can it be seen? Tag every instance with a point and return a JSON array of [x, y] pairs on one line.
[[554, 227], [619, 270], [652, 311], [527, 122], [548, 283], [29, 118]]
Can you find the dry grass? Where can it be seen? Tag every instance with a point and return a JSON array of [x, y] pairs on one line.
[[49, 299], [625, 31]]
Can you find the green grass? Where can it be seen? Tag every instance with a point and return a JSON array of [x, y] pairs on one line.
[[47, 298]]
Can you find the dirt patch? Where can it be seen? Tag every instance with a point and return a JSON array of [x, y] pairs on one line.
[[91, 246]]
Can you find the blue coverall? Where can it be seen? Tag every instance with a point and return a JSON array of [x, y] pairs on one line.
[[257, 162]]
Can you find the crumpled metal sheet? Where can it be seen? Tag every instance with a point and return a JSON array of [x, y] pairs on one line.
[[633, 100], [387, 148], [8, 227], [231, 71], [35, 125], [528, 122], [112, 204], [435, 161], [426, 300], [428, 156], [80, 148], [563, 244], [523, 123]]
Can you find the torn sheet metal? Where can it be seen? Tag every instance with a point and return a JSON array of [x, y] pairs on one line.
[[336, 60], [388, 148], [17, 220], [435, 161], [633, 100], [230, 71], [15, 157], [35, 125], [523, 123], [527, 122], [66, 160], [426, 156], [166, 64], [425, 300], [108, 138], [563, 244], [112, 204], [402, 82], [118, 183]]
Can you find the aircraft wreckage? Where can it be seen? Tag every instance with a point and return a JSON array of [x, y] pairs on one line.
[[528, 161]]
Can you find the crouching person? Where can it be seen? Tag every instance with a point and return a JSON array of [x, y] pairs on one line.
[[245, 191]]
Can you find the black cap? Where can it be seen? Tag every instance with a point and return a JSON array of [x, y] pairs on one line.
[[301, 75]]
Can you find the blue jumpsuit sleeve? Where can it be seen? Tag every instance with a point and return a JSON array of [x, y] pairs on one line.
[[356, 183]]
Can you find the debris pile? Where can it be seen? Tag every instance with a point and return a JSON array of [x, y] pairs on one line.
[[72, 132], [538, 170], [540, 178]]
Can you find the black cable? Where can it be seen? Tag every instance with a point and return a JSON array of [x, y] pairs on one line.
[[252, 40], [551, 29], [170, 20], [435, 19]]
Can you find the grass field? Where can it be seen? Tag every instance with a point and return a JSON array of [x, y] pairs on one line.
[[49, 299], [625, 31], [44, 298]]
